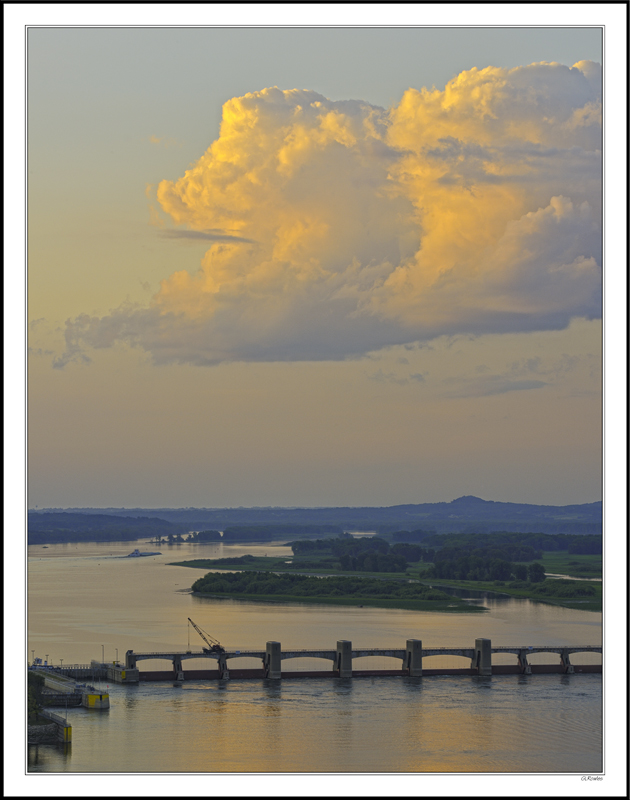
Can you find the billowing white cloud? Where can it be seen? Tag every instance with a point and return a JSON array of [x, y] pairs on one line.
[[337, 228]]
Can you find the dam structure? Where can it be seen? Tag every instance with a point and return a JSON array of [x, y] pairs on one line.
[[275, 661], [63, 690]]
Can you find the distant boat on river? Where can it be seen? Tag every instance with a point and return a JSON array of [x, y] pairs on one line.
[[138, 554]]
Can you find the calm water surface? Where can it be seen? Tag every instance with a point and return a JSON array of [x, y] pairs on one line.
[[84, 600]]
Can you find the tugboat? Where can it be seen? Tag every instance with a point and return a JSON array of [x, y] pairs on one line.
[[137, 554]]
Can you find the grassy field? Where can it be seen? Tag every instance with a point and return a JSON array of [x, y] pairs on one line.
[[542, 592], [575, 565], [310, 566]]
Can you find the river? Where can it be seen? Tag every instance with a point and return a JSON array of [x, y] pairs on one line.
[[85, 602]]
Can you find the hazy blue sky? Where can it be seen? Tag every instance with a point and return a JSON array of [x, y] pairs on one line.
[[328, 362]]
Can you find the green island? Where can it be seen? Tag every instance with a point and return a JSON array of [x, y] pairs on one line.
[[509, 563], [334, 590]]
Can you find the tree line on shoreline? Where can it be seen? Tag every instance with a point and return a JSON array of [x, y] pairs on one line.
[[387, 553], [501, 556], [291, 585], [466, 561]]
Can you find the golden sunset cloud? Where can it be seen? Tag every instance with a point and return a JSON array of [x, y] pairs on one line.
[[337, 227]]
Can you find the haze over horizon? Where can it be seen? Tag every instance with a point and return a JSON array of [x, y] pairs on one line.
[[471, 498], [369, 279]]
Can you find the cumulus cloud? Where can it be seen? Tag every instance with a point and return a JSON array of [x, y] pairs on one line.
[[337, 227]]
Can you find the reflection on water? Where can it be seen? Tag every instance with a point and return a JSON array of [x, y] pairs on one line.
[[472, 594], [81, 603], [42, 757], [543, 723]]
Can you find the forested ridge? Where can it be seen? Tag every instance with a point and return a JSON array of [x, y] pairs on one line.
[[57, 528], [464, 514]]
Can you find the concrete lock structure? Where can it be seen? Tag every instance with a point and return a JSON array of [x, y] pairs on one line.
[[96, 700], [63, 727], [343, 661], [272, 661], [121, 674], [413, 658], [60, 684], [66, 691], [482, 661]]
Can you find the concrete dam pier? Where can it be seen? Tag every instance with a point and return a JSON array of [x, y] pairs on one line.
[[478, 660]]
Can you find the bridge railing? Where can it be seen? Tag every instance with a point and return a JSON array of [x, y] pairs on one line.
[[446, 650], [168, 653], [549, 647]]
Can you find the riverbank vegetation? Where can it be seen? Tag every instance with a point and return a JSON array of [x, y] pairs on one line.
[[506, 562], [508, 556], [581, 595], [202, 537], [572, 543], [238, 534], [36, 698], [343, 554], [339, 590]]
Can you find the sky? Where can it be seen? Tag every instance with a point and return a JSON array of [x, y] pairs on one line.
[[314, 267]]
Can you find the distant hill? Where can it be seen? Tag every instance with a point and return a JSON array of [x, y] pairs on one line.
[[464, 514]]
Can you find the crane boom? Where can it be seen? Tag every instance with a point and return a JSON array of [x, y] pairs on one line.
[[214, 646]]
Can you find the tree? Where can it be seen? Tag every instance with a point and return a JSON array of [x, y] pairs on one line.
[[500, 570], [35, 690], [536, 572], [520, 572]]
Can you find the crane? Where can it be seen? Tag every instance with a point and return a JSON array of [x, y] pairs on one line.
[[214, 646]]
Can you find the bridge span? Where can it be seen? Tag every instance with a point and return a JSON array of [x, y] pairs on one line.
[[478, 657]]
